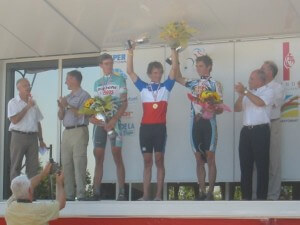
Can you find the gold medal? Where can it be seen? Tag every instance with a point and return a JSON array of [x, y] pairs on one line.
[[154, 94]]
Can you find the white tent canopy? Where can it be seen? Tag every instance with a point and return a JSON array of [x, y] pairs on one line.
[[34, 28]]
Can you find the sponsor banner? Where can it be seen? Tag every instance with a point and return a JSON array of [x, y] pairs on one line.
[[132, 100], [290, 108], [127, 115], [119, 58], [127, 129]]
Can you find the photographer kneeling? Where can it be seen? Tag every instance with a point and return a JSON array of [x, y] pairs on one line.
[[20, 208]]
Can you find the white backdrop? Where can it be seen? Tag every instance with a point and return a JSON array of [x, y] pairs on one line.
[[233, 62]]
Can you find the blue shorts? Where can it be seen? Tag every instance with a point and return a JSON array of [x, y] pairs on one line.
[[204, 134]]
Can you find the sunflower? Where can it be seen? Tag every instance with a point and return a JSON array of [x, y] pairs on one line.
[[206, 95], [89, 102], [217, 97]]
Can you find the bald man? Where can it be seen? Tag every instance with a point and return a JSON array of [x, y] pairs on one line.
[[254, 146], [26, 130]]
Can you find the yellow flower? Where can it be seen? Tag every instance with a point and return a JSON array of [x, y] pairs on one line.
[[206, 94], [217, 97], [89, 102], [177, 34], [213, 96]]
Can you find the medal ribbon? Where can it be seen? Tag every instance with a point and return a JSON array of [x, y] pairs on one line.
[[154, 93]]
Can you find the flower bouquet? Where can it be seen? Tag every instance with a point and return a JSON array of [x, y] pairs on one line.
[[177, 34], [211, 103], [102, 108]]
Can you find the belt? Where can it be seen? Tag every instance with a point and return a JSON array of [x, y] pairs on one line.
[[21, 132], [255, 126], [272, 120], [73, 127]]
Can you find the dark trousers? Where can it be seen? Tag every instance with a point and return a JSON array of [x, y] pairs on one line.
[[254, 147]]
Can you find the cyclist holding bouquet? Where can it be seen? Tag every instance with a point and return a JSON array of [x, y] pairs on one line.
[[203, 128]]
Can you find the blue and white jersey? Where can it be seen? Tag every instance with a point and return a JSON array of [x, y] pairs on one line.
[[197, 86]]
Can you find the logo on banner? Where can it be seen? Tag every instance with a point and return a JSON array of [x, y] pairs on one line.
[[190, 61], [119, 72], [288, 61], [119, 58], [127, 129], [132, 99], [290, 108], [127, 115], [197, 52]]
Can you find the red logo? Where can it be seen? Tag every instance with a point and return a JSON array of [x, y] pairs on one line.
[[288, 61], [108, 92], [127, 114]]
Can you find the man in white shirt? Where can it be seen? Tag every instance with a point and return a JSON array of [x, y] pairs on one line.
[[25, 117], [270, 69], [254, 142]]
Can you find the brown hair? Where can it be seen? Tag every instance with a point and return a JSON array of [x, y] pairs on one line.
[[153, 65], [76, 74], [206, 60], [104, 56]]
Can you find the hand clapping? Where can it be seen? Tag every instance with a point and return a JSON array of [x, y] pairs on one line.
[[62, 102], [239, 88]]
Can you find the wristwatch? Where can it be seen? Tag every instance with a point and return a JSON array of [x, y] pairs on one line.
[[245, 92]]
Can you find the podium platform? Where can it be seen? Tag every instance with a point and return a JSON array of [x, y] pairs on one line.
[[177, 213]]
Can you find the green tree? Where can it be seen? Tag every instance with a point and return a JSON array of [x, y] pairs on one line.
[[43, 190]]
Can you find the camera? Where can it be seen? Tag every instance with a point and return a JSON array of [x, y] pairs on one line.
[[56, 167]]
